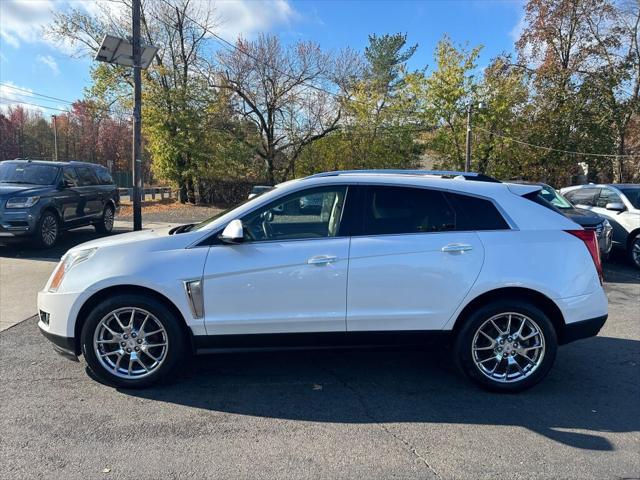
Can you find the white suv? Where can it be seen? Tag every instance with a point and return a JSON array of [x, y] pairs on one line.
[[620, 205], [388, 257]]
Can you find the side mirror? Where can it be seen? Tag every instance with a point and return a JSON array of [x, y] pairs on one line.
[[615, 206], [233, 233]]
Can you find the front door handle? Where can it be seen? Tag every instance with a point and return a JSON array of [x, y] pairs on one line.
[[457, 247], [322, 260]]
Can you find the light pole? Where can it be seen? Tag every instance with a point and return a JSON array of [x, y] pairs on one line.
[[55, 137], [130, 53]]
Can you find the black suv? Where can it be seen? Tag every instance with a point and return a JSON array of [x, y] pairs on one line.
[[39, 199]]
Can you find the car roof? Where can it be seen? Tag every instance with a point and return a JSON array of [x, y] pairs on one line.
[[56, 163]]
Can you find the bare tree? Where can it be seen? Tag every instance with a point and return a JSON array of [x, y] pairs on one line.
[[285, 92]]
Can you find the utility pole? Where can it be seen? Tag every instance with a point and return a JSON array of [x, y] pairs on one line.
[[55, 137], [137, 99], [467, 163]]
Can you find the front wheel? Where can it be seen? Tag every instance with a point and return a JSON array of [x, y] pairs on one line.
[[506, 346], [48, 230], [634, 251], [132, 341]]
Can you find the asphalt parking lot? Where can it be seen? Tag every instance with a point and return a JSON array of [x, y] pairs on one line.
[[326, 414]]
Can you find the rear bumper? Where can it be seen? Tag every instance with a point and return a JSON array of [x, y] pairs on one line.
[[65, 346], [583, 329]]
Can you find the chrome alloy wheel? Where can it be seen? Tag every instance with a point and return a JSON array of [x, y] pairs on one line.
[[130, 343], [108, 219], [49, 230], [508, 347]]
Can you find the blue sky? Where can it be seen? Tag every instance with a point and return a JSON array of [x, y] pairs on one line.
[[30, 61]]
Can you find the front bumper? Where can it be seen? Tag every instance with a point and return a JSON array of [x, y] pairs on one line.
[[17, 223], [65, 346]]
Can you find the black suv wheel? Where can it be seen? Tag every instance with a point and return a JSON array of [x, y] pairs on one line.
[[106, 221], [48, 230]]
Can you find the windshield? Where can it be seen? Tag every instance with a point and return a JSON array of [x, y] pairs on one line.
[[554, 198], [632, 194], [28, 173]]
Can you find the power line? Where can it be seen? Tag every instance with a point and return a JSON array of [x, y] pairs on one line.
[[42, 96], [550, 149]]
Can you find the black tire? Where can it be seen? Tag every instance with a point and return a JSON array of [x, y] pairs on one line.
[[48, 230], [106, 221], [634, 251], [176, 349], [464, 344]]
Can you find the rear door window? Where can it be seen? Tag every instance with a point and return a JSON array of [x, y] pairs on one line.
[[583, 196], [397, 210], [475, 213], [87, 177]]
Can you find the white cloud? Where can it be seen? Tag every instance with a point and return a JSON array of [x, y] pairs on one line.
[[246, 17], [50, 62], [22, 20]]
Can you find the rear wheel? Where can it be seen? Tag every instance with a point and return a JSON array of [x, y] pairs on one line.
[[634, 251], [106, 221], [132, 341], [48, 230], [506, 346]]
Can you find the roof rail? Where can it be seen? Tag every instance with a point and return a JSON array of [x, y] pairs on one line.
[[479, 177]]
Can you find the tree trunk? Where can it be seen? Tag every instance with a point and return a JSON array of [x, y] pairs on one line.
[[182, 191]]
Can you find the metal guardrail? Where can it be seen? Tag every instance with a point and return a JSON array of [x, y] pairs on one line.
[[163, 192]]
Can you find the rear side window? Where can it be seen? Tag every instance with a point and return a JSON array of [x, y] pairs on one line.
[[104, 176], [475, 213], [394, 210], [583, 196], [86, 175]]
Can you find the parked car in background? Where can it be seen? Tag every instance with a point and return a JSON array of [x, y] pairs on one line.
[[620, 204], [258, 190], [481, 267], [586, 219], [39, 199]]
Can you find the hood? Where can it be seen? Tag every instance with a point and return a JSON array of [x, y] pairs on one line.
[[584, 218], [11, 189], [124, 239]]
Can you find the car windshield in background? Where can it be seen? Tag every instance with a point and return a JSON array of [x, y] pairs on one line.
[[632, 194], [28, 173], [554, 198]]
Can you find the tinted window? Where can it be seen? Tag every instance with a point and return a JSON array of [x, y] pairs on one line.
[[313, 213], [583, 196], [392, 210], [86, 175], [104, 176], [608, 196], [70, 177], [476, 213], [28, 173], [633, 195]]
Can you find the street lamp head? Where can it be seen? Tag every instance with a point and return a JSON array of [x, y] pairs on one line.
[[119, 51]]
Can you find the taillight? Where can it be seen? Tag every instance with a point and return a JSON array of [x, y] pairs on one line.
[[591, 242]]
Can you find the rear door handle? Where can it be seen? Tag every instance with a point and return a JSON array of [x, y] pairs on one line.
[[322, 260], [457, 247]]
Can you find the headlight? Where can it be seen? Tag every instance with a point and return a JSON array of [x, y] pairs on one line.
[[69, 261], [22, 202]]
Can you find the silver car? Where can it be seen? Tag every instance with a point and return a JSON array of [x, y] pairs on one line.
[[620, 204]]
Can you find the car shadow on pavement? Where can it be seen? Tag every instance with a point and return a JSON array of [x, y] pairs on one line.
[[67, 240], [588, 391]]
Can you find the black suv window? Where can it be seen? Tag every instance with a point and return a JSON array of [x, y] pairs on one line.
[[392, 210], [583, 196], [86, 175], [607, 196], [70, 177], [104, 176], [474, 213]]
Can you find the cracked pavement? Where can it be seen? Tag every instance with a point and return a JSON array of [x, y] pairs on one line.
[[371, 414]]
